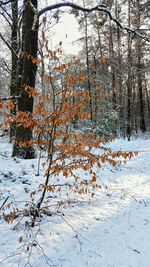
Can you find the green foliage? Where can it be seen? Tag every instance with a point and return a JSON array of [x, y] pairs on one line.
[[105, 125]]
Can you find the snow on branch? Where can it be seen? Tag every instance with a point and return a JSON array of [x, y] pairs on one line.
[[6, 2], [9, 98], [89, 10], [101, 7]]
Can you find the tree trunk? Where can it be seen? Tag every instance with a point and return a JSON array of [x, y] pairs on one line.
[[120, 88], [147, 98], [95, 92], [113, 76], [14, 45], [25, 104], [129, 83], [112, 60], [139, 74], [88, 65]]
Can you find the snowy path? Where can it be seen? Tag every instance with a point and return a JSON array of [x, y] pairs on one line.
[[117, 226], [111, 231]]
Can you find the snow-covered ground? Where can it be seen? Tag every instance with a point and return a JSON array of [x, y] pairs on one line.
[[112, 229]]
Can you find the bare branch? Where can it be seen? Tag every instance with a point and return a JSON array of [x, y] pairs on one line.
[[102, 8], [8, 45], [9, 98], [89, 10], [5, 66], [72, 5], [7, 13], [5, 17], [6, 3]]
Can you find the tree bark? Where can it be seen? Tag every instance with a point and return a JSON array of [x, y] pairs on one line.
[[120, 88], [112, 58], [129, 83], [14, 45], [28, 76], [88, 65], [113, 76], [139, 74]]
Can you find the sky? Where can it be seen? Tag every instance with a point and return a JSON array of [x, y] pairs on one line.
[[67, 31]]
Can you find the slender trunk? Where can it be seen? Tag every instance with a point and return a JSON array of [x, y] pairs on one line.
[[100, 66], [113, 76], [119, 83], [42, 79], [139, 73], [147, 98], [96, 91], [112, 58], [129, 81], [88, 65], [14, 45], [134, 103]]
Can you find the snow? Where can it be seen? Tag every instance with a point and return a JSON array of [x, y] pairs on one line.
[[109, 230]]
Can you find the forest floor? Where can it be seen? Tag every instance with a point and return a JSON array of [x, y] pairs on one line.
[[112, 229]]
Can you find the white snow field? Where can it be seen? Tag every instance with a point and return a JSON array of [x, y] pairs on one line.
[[112, 229]]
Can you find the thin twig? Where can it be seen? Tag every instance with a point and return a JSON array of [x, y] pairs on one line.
[[4, 202]]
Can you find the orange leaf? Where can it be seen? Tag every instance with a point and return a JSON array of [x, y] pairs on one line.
[[10, 105], [84, 115], [1, 104], [94, 178]]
